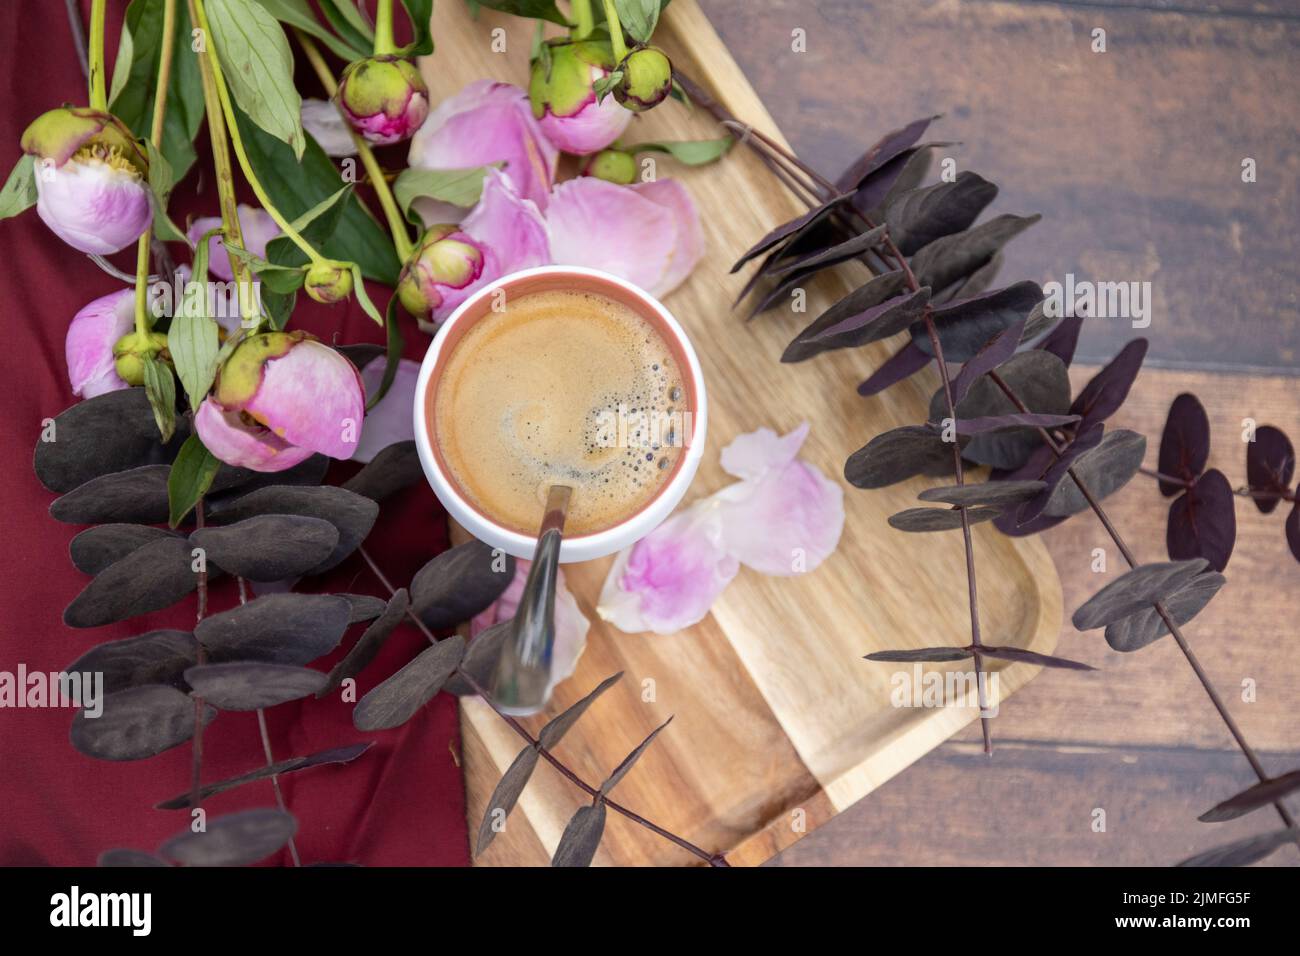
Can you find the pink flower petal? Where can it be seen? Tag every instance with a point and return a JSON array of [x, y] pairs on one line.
[[322, 119], [93, 207], [485, 123], [786, 517], [227, 436], [312, 397], [688, 248], [510, 229], [258, 229], [605, 226], [89, 344], [669, 579], [571, 625], [391, 420], [592, 128]]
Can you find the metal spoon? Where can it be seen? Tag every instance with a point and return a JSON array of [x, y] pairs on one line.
[[522, 682]]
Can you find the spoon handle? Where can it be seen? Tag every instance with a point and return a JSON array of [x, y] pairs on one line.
[[522, 683]]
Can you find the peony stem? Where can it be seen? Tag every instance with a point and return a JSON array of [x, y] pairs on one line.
[[237, 141], [98, 87], [384, 42], [230, 228], [585, 21], [396, 224], [615, 31], [142, 322]]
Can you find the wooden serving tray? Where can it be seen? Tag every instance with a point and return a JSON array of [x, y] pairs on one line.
[[779, 723]]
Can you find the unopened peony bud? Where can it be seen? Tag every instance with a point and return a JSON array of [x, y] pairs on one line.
[[329, 281], [384, 97], [647, 79], [564, 99], [90, 179], [612, 165], [132, 349], [446, 262]]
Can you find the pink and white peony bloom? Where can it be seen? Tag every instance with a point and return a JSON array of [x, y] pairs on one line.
[[89, 344], [502, 234], [561, 91], [257, 227], [783, 517], [571, 625], [326, 124], [390, 421], [384, 98], [648, 233], [281, 397], [90, 179], [483, 124]]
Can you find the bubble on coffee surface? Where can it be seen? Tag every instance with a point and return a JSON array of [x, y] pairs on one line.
[[585, 394]]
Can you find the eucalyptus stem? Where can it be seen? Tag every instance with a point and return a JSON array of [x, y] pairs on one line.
[[142, 323], [237, 141], [225, 176], [98, 85], [585, 20], [396, 223], [384, 42], [615, 31]]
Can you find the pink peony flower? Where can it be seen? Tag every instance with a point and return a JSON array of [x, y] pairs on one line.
[[281, 397], [89, 345], [326, 124], [384, 98], [90, 179], [782, 517], [258, 229], [571, 625], [565, 102], [648, 233], [483, 124], [502, 234], [390, 421]]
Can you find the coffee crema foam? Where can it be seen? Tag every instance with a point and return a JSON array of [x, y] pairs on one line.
[[568, 388]]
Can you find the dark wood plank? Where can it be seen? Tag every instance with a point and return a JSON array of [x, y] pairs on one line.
[[1133, 155]]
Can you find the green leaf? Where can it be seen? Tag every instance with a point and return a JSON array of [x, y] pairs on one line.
[[698, 152], [315, 226], [605, 84], [277, 278], [191, 476], [421, 13], [160, 191], [359, 287], [160, 387], [639, 18], [258, 68], [346, 19], [192, 337], [296, 187], [536, 9], [19, 193], [392, 355], [460, 187], [135, 78], [297, 13]]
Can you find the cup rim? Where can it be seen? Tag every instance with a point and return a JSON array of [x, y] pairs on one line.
[[578, 547]]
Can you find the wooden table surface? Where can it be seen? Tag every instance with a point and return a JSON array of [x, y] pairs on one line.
[[1134, 157]]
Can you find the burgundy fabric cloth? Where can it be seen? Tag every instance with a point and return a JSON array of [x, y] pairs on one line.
[[402, 802]]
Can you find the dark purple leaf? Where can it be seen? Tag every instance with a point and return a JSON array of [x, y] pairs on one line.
[[951, 258], [397, 699], [994, 352], [923, 654], [236, 839], [630, 760], [138, 495], [1185, 443], [504, 797], [321, 758], [395, 467], [1136, 631], [880, 289], [888, 147], [903, 364], [905, 171], [878, 322], [920, 216], [96, 548], [1203, 521], [369, 644], [558, 726], [1270, 466], [1105, 393], [1020, 655], [480, 660], [967, 326], [994, 494], [1245, 851], [277, 628], [833, 255], [778, 293], [150, 578], [897, 455], [1293, 529], [268, 547], [788, 230], [581, 838], [459, 583], [155, 657], [1064, 338], [252, 685], [938, 519], [136, 723], [1103, 471], [352, 514], [1058, 472], [993, 423], [363, 607], [1135, 591], [1252, 798]]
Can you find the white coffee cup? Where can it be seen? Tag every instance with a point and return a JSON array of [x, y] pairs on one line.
[[581, 547]]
